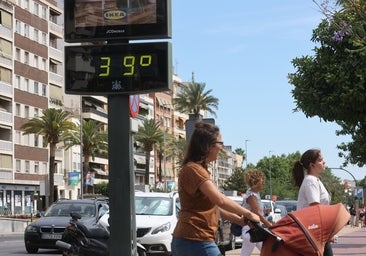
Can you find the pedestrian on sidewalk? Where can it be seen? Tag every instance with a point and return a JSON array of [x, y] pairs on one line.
[[255, 179], [311, 189], [352, 212], [201, 202]]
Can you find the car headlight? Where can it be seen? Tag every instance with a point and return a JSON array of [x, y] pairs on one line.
[[163, 228], [31, 229]]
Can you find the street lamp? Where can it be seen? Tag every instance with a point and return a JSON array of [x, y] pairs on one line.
[[270, 174], [357, 206], [246, 154]]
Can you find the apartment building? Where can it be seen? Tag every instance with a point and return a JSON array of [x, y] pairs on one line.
[[32, 79]]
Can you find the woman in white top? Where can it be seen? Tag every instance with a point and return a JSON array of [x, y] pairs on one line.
[[311, 189], [255, 179]]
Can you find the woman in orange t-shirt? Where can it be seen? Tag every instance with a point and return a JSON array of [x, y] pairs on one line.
[[201, 202]]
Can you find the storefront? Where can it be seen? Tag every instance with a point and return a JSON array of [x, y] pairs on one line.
[[18, 199]]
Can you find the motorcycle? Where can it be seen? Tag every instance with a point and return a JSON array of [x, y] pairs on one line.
[[80, 239]]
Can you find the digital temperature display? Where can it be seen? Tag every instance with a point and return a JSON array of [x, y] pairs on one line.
[[118, 68]]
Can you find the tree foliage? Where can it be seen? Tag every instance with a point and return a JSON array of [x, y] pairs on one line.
[[54, 125], [93, 141], [278, 171], [193, 98], [236, 181], [149, 134], [332, 83]]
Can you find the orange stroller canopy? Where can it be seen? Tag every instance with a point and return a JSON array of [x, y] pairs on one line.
[[305, 232]]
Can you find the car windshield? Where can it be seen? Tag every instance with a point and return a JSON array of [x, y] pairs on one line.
[[290, 205], [154, 206], [64, 209], [267, 205]]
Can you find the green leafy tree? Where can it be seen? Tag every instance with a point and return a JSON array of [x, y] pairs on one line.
[[102, 188], [334, 186], [149, 134], [93, 141], [235, 181], [332, 83], [54, 126], [278, 172], [193, 98]]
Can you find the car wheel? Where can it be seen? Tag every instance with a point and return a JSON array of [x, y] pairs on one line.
[[31, 249]]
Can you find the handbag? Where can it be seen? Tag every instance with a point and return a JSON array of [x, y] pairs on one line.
[[235, 229]]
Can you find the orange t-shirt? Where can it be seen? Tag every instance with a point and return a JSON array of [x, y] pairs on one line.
[[198, 217]]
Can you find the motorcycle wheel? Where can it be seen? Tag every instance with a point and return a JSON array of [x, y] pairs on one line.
[[141, 252], [73, 252]]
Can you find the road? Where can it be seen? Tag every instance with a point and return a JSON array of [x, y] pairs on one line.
[[14, 245]]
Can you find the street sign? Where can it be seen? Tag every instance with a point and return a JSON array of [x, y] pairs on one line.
[[134, 105], [359, 192]]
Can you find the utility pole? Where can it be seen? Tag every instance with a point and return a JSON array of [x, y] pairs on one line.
[[357, 202], [246, 154]]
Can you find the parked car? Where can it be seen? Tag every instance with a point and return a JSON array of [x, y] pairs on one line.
[[291, 205], [283, 210], [156, 217], [157, 214], [274, 212], [44, 232]]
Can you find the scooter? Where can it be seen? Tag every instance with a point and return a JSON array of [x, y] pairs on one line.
[[79, 239]]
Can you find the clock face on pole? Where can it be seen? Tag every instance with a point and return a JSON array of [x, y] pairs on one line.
[[118, 68]]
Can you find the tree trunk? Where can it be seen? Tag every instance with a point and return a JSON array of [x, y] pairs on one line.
[[85, 172], [51, 173], [160, 167], [195, 116], [147, 167]]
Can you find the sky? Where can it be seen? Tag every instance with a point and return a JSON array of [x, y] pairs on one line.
[[242, 51]]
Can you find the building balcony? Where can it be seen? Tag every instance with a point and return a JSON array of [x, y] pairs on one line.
[[6, 32], [6, 118], [6, 146], [6, 90], [54, 78], [56, 54], [56, 29]]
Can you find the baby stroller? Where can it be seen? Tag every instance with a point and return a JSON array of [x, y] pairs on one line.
[[305, 232]]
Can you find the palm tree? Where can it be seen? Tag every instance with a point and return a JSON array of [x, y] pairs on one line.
[[92, 140], [54, 126], [160, 150], [193, 98], [179, 147], [148, 135]]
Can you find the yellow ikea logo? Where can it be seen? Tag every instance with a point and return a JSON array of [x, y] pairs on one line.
[[114, 15]]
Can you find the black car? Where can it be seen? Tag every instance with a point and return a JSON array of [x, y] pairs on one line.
[[44, 232]]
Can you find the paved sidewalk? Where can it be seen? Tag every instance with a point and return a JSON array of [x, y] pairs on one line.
[[351, 241]]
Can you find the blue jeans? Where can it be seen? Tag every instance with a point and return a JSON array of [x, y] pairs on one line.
[[186, 247]]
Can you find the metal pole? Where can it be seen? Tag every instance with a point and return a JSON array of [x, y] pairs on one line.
[[165, 184], [246, 154], [121, 177], [357, 202], [81, 150], [270, 174]]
